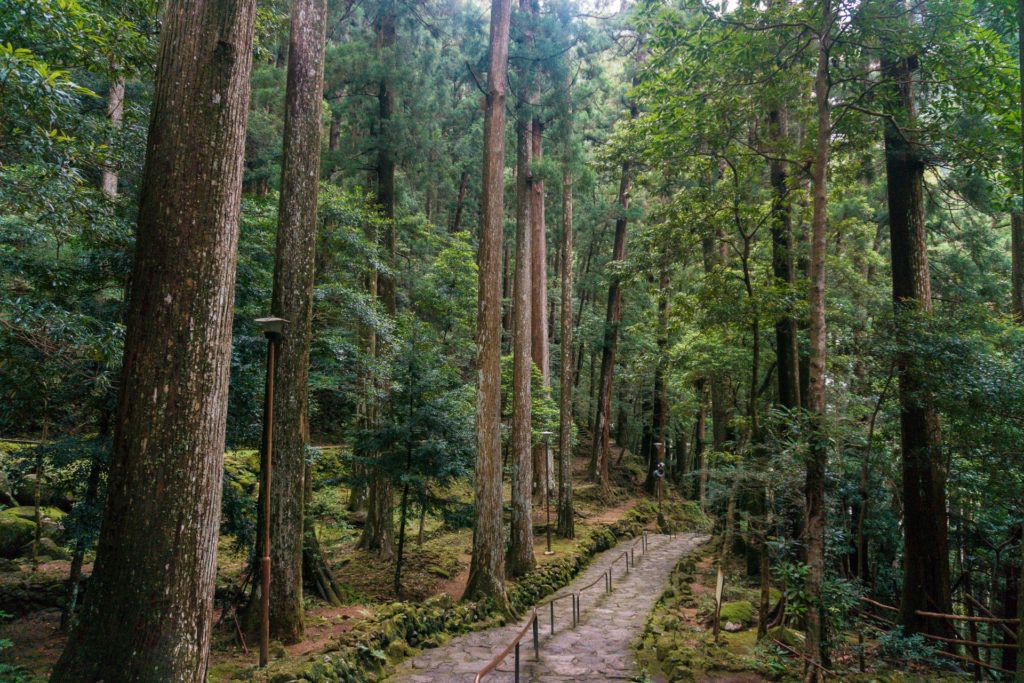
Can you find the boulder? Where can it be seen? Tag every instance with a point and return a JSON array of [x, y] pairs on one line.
[[18, 528], [732, 627], [740, 611], [15, 532]]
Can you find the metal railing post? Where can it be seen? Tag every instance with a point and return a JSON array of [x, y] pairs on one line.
[[609, 579], [536, 635], [517, 662], [552, 604]]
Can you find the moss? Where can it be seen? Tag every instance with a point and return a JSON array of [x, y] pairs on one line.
[[740, 612], [15, 532]]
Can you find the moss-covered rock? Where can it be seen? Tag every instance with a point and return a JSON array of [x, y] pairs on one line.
[[15, 532], [740, 612], [17, 528]]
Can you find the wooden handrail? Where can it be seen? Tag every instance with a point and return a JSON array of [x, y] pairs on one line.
[[493, 664], [971, 643], [972, 660], [879, 604], [964, 617]]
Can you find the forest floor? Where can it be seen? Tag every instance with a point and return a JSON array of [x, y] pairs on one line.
[[438, 565]]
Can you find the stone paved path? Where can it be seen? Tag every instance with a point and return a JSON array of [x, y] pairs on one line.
[[598, 649]]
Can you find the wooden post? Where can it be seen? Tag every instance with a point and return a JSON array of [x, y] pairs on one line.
[[719, 588]]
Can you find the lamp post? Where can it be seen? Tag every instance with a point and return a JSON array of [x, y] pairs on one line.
[[547, 495], [272, 329]]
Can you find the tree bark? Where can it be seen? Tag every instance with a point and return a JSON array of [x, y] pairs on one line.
[[566, 517], [539, 345], [147, 614], [520, 552], [602, 436], [925, 535], [292, 299], [487, 566], [786, 353], [817, 459], [115, 114], [378, 533]]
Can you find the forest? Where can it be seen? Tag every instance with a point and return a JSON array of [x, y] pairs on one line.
[[553, 340]]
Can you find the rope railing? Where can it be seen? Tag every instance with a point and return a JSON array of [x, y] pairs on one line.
[[534, 620], [1002, 621], [514, 645]]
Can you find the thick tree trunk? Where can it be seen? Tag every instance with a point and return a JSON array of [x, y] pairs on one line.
[[817, 460], [378, 533], [602, 434], [925, 549], [520, 551], [147, 614], [786, 353], [293, 300], [487, 567], [566, 517], [539, 345], [115, 114]]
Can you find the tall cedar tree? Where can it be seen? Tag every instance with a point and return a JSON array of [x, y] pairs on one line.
[[147, 613], [786, 354], [520, 550], [487, 566], [378, 532], [566, 520], [293, 300], [539, 345], [817, 458], [602, 437], [925, 534]]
